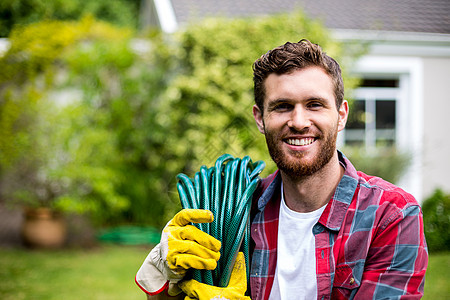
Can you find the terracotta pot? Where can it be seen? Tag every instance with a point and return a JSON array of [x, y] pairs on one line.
[[43, 228]]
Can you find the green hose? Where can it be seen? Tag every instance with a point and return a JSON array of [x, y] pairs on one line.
[[226, 190]]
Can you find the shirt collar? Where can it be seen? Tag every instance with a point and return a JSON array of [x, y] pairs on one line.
[[268, 193], [337, 207]]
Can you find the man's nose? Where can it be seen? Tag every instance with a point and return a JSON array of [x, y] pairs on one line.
[[299, 119]]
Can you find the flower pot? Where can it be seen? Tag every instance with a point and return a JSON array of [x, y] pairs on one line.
[[43, 228]]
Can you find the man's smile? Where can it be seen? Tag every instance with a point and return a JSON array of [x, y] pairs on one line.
[[300, 141]]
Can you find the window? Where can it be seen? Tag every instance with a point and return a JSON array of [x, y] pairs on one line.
[[373, 118]]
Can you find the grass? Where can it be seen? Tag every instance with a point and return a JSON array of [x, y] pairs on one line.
[[437, 281], [103, 273], [108, 272]]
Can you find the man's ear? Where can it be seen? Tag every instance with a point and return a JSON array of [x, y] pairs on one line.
[[257, 114], [343, 115]]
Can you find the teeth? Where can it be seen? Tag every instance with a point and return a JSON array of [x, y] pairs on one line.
[[300, 142]]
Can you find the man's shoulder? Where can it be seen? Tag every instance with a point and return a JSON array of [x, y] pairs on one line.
[[373, 190], [383, 192]]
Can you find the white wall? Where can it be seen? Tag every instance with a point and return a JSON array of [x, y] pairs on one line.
[[436, 124]]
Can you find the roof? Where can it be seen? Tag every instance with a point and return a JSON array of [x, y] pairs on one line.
[[424, 16]]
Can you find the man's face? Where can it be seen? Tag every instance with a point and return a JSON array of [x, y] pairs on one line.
[[300, 120]]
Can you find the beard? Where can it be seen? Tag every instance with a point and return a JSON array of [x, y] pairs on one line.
[[293, 163]]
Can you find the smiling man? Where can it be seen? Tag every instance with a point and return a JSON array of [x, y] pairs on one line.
[[300, 120], [320, 229]]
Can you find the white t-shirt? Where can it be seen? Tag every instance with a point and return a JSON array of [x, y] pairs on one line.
[[295, 274]]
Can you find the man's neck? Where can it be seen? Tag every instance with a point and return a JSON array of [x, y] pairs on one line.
[[312, 192]]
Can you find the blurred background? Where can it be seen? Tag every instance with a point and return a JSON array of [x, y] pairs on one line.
[[103, 103]]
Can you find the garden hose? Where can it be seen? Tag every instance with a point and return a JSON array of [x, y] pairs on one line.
[[226, 190]]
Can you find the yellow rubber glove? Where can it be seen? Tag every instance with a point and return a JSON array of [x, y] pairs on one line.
[[188, 246], [182, 246], [235, 289]]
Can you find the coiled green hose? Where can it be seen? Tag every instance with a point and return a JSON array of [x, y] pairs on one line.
[[226, 190]]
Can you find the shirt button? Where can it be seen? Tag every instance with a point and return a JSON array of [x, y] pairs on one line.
[[352, 280]]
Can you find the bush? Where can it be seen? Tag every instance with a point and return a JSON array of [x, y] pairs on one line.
[[56, 149], [436, 218], [24, 12], [211, 96], [116, 125]]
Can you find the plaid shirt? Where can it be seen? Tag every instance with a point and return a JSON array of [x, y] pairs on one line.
[[370, 242]]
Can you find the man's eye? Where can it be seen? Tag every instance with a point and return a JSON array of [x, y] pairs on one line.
[[315, 105], [283, 106]]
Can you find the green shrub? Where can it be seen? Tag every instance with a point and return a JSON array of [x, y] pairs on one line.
[[133, 119], [24, 12], [56, 151], [436, 218], [211, 97]]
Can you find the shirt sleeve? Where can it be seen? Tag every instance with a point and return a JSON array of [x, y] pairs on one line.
[[397, 259]]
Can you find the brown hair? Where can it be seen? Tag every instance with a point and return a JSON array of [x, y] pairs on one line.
[[290, 57]]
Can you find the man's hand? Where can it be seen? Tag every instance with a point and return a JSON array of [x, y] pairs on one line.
[[185, 246], [182, 246], [235, 289]]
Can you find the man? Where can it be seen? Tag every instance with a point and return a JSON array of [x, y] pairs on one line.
[[320, 229]]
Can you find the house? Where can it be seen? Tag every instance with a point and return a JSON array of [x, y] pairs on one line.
[[405, 94]]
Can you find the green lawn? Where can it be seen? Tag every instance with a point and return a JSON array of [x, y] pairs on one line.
[[108, 273], [103, 273], [437, 280]]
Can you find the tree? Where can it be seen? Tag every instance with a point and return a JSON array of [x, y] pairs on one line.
[[106, 127], [57, 147], [211, 96], [24, 12]]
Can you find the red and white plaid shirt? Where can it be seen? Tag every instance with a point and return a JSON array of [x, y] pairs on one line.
[[370, 241]]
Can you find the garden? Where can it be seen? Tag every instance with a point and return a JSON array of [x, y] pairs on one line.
[[97, 118]]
